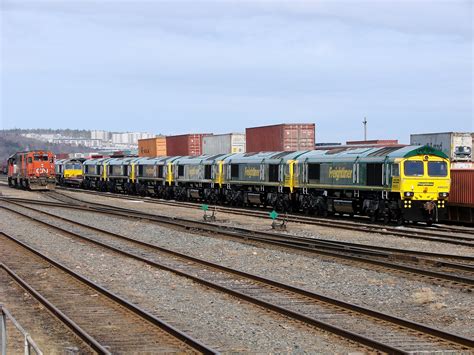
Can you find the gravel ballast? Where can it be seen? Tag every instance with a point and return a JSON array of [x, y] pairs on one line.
[[216, 319], [420, 301], [51, 336], [304, 230]]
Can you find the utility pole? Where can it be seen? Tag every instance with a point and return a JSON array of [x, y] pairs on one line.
[[365, 128]]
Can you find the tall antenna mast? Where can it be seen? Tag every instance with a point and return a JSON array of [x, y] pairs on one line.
[[365, 128]]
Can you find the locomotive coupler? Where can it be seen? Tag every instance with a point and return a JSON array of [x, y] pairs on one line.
[[429, 206]]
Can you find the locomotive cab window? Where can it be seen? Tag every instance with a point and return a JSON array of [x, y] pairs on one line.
[[314, 171], [207, 172], [437, 168], [45, 158], [234, 170], [180, 170], [273, 172], [413, 168], [37, 158]]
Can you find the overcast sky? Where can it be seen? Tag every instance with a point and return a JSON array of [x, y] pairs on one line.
[[218, 66]]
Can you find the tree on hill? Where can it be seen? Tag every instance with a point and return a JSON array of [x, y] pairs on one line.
[[73, 133], [11, 143]]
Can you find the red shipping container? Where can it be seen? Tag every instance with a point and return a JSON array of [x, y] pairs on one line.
[[462, 187], [185, 144], [62, 156], [281, 137], [374, 142]]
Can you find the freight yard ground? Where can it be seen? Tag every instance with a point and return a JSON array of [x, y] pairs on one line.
[[223, 322]]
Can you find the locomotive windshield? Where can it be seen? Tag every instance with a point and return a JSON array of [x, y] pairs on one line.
[[41, 157], [437, 168], [413, 168], [74, 166]]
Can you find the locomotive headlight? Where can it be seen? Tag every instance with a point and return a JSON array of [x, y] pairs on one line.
[[443, 194], [409, 194]]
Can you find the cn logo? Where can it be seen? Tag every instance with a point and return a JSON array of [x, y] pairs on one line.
[[40, 171]]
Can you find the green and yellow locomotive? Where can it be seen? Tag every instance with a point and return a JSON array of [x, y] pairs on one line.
[[393, 183]]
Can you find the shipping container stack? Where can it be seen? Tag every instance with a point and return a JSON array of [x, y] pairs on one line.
[[281, 137], [185, 144]]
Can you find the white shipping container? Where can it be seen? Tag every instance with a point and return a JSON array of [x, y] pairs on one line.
[[462, 165], [456, 145], [224, 143]]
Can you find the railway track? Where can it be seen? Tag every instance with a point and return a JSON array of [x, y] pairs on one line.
[[452, 270], [368, 327], [106, 322], [435, 233], [426, 235], [357, 224]]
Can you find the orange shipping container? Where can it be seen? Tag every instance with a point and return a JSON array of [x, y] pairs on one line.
[[152, 147]]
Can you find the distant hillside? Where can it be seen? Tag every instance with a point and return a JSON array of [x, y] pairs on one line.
[[11, 143], [73, 133]]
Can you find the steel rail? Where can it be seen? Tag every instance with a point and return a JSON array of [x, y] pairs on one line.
[[76, 329], [292, 217], [105, 208], [298, 316], [143, 314], [282, 240]]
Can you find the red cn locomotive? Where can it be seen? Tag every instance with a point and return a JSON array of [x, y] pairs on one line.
[[32, 170]]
